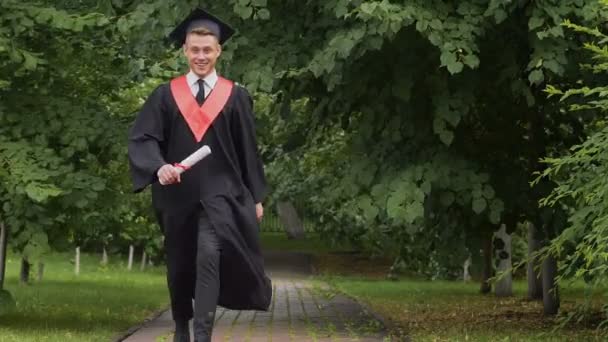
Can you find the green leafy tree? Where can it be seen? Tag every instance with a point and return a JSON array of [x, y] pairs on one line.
[[53, 141], [439, 108], [580, 175], [64, 72]]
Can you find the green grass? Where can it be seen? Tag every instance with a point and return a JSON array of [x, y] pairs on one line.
[[96, 306], [455, 311], [437, 310]]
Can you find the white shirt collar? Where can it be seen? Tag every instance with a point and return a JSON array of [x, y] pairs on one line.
[[210, 80]]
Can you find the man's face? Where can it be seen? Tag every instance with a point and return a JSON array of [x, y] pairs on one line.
[[202, 52]]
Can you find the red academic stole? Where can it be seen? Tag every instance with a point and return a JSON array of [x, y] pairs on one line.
[[200, 118]]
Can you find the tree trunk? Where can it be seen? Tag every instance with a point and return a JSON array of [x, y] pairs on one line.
[[142, 267], [502, 243], [77, 262], [131, 251], [104, 257], [290, 220], [40, 271], [466, 275], [25, 271], [550, 289], [3, 248], [535, 285], [486, 274]]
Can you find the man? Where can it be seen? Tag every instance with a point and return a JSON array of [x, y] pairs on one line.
[[210, 213]]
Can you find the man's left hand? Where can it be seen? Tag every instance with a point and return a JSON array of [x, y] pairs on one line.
[[259, 211]]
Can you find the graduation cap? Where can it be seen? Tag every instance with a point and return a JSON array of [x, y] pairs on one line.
[[200, 18]]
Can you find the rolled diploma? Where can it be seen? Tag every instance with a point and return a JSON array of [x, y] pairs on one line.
[[194, 158]]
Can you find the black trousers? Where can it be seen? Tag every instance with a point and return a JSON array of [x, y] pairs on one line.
[[193, 260]]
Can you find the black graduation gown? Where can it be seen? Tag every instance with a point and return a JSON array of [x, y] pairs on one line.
[[227, 183]]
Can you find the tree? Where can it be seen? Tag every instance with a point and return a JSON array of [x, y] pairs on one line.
[[52, 140], [579, 174], [442, 126], [62, 150]]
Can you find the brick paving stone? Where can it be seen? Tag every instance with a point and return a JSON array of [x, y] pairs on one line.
[[297, 314]]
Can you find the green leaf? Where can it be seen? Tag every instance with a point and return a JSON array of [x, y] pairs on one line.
[[471, 60], [81, 203], [98, 186], [535, 22], [344, 46], [438, 125], [41, 192], [500, 15], [536, 77], [455, 68], [247, 12], [446, 137], [266, 82], [341, 9], [436, 24], [123, 25], [264, 14], [494, 217], [242, 10], [447, 58], [414, 211], [479, 205], [554, 66], [435, 39], [368, 8], [370, 211], [394, 207], [30, 62], [557, 31], [452, 117], [422, 25], [379, 191]]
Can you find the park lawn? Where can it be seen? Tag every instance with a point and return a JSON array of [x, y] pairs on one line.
[[434, 310], [98, 305], [455, 311]]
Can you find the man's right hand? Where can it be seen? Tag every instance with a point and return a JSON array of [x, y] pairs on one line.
[[168, 174]]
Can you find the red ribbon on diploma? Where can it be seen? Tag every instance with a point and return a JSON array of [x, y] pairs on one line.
[[181, 166]]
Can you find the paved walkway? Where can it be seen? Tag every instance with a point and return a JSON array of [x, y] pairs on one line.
[[300, 311]]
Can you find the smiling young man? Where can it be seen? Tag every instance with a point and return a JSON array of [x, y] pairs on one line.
[[210, 213]]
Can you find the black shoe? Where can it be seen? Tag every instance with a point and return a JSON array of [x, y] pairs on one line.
[[182, 332]]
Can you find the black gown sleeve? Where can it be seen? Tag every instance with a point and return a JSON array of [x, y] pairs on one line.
[[243, 132], [145, 137]]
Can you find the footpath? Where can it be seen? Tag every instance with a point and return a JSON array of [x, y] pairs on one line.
[[301, 310]]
